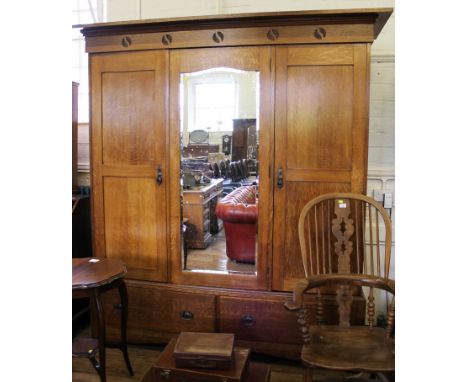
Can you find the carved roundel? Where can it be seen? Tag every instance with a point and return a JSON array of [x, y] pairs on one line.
[[126, 41], [272, 34], [218, 37], [167, 39], [320, 33]]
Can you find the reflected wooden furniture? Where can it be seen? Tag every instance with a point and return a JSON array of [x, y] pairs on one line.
[[313, 69], [91, 278], [81, 247], [81, 226], [198, 209], [244, 138], [345, 243], [201, 150], [75, 86]]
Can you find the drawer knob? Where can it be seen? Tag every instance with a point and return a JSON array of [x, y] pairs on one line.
[[165, 374], [186, 315], [248, 320], [118, 306]]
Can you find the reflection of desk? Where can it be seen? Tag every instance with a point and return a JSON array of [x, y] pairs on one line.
[[197, 203], [199, 150], [91, 277]]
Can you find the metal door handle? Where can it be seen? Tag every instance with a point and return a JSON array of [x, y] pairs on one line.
[[279, 181], [159, 177]]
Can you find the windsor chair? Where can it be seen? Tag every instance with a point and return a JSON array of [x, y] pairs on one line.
[[345, 242]]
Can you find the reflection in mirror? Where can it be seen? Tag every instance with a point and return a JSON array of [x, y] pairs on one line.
[[219, 111]]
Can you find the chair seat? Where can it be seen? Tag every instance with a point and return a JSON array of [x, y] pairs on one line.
[[355, 348]]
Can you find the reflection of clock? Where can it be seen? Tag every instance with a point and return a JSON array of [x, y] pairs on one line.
[[226, 144], [199, 136]]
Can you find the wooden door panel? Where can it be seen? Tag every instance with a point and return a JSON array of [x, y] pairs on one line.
[[128, 125], [129, 143], [319, 119], [298, 194], [135, 226], [320, 139]]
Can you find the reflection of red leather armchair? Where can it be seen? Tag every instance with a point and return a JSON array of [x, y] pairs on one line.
[[239, 212]]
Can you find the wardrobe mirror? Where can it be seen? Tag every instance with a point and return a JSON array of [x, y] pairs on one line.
[[219, 119]]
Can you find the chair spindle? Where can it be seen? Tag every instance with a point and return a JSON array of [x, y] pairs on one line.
[[317, 255], [329, 237], [371, 241], [303, 320], [319, 308], [391, 318], [364, 249], [357, 237], [309, 247], [323, 242], [377, 240], [371, 307]]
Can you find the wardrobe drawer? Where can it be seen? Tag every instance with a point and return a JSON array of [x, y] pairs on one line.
[[158, 310], [258, 320]]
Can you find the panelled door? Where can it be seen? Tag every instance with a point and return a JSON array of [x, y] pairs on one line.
[[321, 127], [129, 161]]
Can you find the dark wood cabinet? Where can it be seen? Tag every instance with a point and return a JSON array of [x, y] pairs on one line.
[[75, 86], [198, 211], [199, 150], [81, 226], [312, 138], [244, 139]]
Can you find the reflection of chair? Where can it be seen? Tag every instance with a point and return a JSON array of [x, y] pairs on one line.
[[239, 212], [345, 242], [233, 172], [216, 172], [222, 169]]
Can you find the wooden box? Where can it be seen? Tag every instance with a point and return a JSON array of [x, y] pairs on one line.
[[204, 350], [166, 370], [257, 372]]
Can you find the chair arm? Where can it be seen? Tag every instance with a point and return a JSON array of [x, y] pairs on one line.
[[237, 212], [336, 278]]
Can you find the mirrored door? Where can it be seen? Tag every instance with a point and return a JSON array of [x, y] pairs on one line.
[[220, 166]]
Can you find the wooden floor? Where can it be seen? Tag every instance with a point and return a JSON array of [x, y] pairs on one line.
[[143, 357], [213, 258]]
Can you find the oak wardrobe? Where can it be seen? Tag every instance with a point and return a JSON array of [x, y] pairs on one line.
[[302, 78]]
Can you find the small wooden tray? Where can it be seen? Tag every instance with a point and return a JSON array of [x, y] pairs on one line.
[[204, 350]]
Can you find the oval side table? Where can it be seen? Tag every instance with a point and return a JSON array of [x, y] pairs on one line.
[[91, 277]]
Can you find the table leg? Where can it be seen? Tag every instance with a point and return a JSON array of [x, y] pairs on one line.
[[101, 367], [123, 325]]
